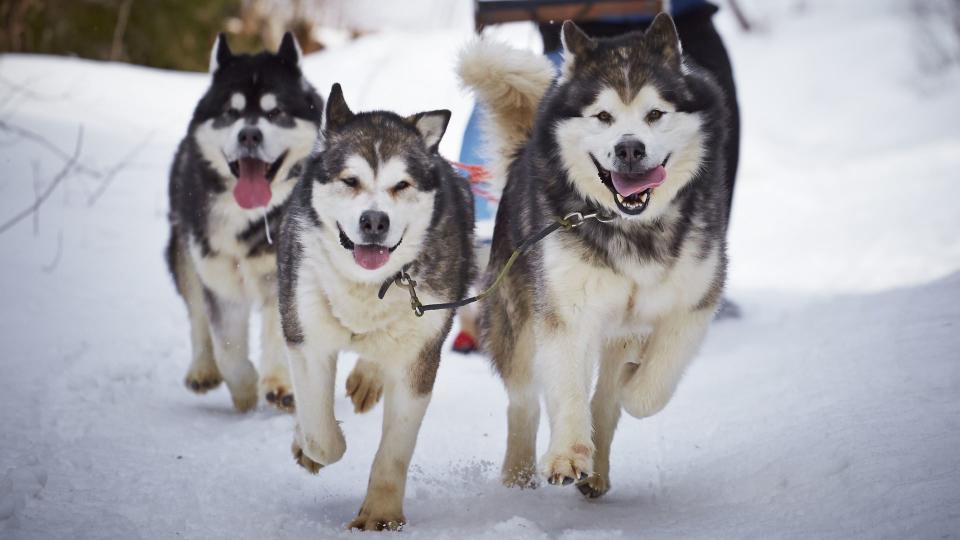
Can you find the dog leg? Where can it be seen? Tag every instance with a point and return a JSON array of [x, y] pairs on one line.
[[646, 389], [523, 415], [318, 440], [228, 322], [275, 384], [403, 412], [523, 418], [566, 372], [364, 385], [605, 409], [203, 374]]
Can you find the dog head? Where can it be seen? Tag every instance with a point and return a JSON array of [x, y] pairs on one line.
[[630, 123], [258, 118], [375, 190]]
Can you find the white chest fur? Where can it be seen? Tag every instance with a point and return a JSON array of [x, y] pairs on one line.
[[632, 296], [348, 315], [228, 270]]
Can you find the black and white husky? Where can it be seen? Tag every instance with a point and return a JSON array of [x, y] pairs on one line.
[[631, 131], [379, 199], [230, 179]]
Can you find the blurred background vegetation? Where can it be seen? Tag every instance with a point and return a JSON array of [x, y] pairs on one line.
[[172, 34]]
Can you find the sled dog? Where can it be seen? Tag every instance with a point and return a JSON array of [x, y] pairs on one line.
[[379, 200], [229, 183], [632, 132]]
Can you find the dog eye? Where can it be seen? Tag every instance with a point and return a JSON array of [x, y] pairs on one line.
[[273, 114], [401, 185], [604, 117], [655, 115], [350, 181], [231, 113]]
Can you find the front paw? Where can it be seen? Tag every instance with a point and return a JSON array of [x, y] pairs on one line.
[[364, 386], [377, 521], [278, 391], [314, 452], [595, 486], [203, 379], [310, 465], [569, 464], [525, 478]]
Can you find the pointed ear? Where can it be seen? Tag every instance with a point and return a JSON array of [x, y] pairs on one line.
[[662, 37], [431, 125], [338, 113], [220, 54], [289, 50], [575, 41]]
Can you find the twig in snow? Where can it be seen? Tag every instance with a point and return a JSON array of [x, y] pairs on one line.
[[44, 142], [740, 16], [110, 173], [56, 256], [67, 167], [36, 195]]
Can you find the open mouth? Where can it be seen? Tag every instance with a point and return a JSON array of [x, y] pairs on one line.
[[253, 165], [253, 180], [632, 191], [368, 256]]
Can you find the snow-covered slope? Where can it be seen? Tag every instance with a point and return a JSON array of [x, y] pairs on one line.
[[831, 410]]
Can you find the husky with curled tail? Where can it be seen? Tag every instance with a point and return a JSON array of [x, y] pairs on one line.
[[632, 131], [378, 200]]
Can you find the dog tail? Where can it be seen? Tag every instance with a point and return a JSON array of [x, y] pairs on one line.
[[509, 84]]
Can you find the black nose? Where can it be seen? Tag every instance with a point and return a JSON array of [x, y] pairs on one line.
[[374, 226], [250, 136], [630, 151]]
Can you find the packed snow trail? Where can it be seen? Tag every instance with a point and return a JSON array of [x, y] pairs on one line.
[[830, 410]]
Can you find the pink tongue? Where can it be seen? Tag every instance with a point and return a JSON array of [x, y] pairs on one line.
[[253, 188], [370, 256], [628, 184]]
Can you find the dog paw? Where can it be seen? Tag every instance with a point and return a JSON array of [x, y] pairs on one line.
[[202, 379], [278, 392], [595, 486], [364, 386], [314, 452], [377, 521], [244, 402], [571, 465], [302, 460], [523, 477]]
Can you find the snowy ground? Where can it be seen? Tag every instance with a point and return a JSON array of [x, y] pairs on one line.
[[831, 410]]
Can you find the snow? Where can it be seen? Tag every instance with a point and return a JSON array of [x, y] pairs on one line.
[[830, 410]]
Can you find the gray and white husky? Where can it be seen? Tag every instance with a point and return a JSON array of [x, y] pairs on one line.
[[379, 199], [229, 182], [632, 131]]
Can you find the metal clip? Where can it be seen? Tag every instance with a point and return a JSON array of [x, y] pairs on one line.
[[575, 219], [405, 280]]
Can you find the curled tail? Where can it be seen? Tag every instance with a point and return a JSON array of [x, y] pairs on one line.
[[509, 83]]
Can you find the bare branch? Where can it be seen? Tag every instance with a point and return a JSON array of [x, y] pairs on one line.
[[44, 142], [108, 177], [67, 167], [56, 257], [740, 16], [36, 195], [120, 29]]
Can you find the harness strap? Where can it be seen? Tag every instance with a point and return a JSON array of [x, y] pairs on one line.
[[403, 279]]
